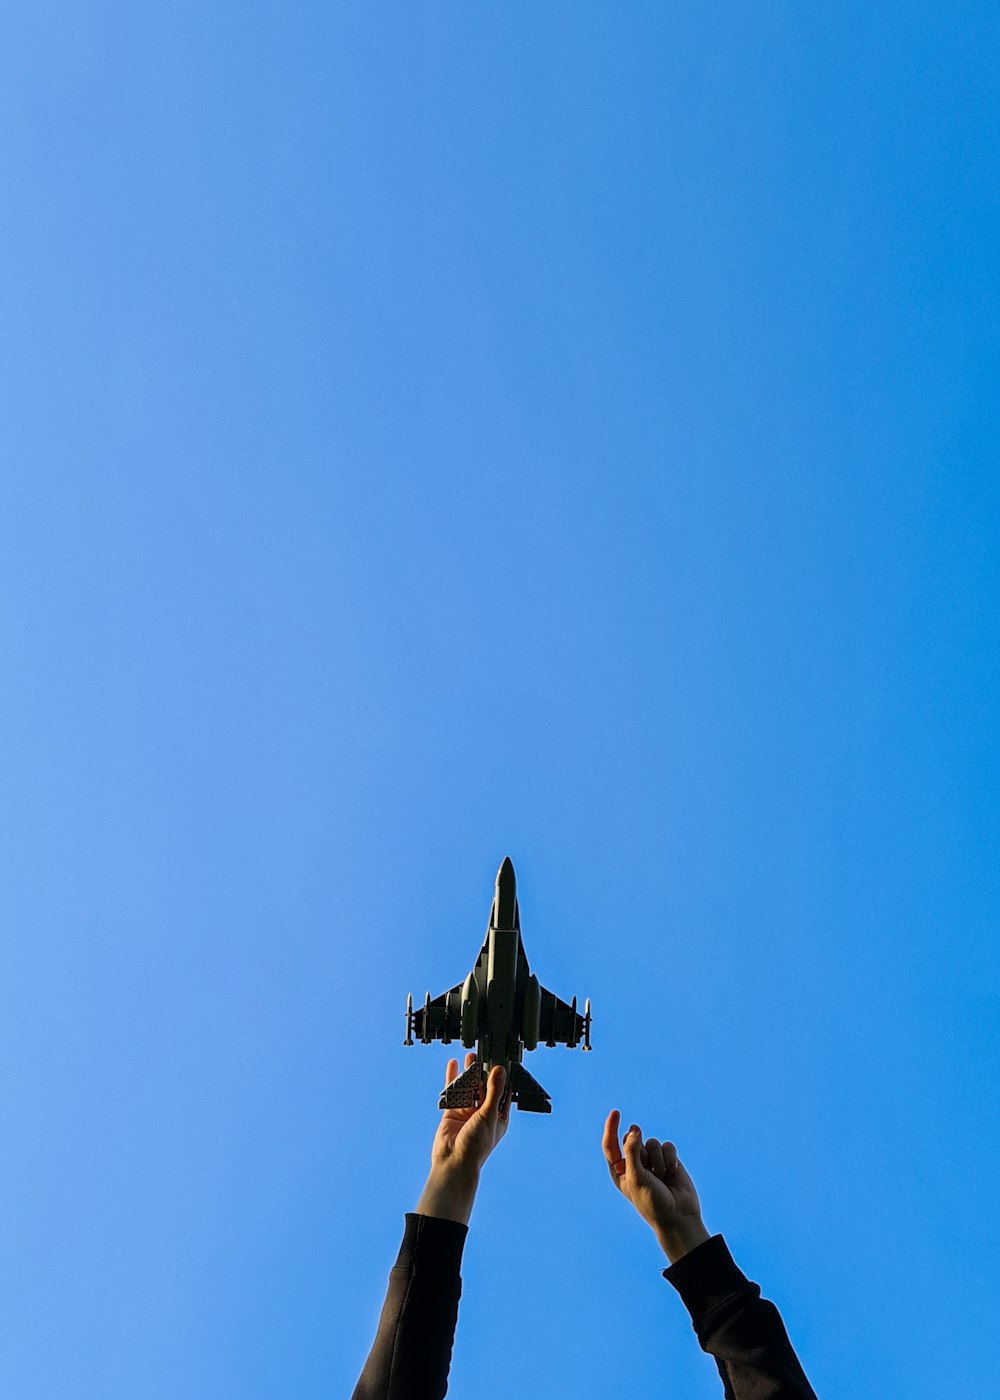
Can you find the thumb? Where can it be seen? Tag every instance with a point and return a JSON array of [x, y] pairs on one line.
[[494, 1090]]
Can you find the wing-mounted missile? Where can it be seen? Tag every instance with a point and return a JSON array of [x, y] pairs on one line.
[[438, 1019], [531, 1016], [562, 1024], [572, 1040], [425, 1023], [470, 1012]]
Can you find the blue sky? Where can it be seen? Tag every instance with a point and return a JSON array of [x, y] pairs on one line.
[[437, 431]]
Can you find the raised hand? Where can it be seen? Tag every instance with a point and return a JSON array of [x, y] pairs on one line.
[[657, 1184], [464, 1139], [466, 1136]]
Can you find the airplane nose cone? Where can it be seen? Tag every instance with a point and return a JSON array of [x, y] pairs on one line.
[[506, 895]]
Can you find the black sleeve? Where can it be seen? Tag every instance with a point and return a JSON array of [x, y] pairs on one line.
[[412, 1350], [735, 1325]]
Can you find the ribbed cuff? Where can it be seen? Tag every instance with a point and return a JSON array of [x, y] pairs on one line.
[[431, 1245], [707, 1276]]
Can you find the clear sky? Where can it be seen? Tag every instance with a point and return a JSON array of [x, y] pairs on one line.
[[430, 431]]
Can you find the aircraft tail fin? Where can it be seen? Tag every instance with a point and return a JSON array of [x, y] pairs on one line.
[[462, 1092], [523, 1090]]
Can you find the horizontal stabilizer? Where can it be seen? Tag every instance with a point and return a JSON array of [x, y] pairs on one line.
[[462, 1092], [526, 1092]]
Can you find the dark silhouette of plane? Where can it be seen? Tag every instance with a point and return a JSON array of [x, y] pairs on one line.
[[501, 1010]]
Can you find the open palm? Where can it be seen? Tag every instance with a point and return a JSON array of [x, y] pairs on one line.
[[651, 1177], [466, 1136]]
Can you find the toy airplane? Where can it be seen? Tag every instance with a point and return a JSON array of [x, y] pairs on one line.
[[501, 1010]]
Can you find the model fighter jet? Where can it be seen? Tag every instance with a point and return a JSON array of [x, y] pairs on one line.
[[501, 1010]]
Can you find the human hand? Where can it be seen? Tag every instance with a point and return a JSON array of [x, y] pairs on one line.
[[464, 1139], [653, 1179]]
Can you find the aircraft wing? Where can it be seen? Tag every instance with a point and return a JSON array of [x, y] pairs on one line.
[[443, 1013], [560, 1023]]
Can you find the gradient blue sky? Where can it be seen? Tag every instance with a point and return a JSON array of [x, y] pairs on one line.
[[439, 430]]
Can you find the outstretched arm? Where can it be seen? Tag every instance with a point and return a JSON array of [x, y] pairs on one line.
[[462, 1143], [412, 1351], [742, 1331]]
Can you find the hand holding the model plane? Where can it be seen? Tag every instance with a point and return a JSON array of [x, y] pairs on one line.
[[466, 1136], [464, 1139], [651, 1177]]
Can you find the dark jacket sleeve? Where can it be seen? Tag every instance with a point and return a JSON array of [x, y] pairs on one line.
[[735, 1325], [412, 1351]]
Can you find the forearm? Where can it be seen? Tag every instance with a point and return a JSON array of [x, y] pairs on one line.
[[449, 1195], [410, 1357], [681, 1239], [742, 1331]]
